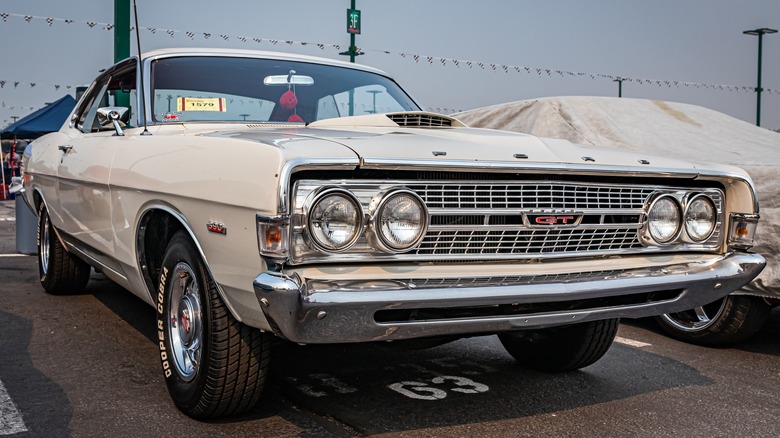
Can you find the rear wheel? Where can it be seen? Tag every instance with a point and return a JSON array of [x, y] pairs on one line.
[[564, 348], [731, 319], [60, 271], [214, 365]]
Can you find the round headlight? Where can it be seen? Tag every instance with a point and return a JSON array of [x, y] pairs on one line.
[[700, 217], [401, 221], [335, 220], [663, 219]]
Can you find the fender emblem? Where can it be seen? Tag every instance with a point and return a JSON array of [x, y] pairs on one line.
[[216, 227]]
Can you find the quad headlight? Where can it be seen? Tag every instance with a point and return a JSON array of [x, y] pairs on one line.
[[399, 220], [663, 219], [335, 220], [700, 218]]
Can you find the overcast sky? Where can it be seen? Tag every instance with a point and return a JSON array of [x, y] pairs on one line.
[[692, 41]]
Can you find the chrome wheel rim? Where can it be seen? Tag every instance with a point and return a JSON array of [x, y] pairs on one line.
[[45, 246], [698, 318], [185, 328]]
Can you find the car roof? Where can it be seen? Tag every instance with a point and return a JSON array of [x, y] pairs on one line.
[[171, 52]]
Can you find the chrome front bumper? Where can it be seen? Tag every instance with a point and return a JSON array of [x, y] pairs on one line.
[[323, 311]]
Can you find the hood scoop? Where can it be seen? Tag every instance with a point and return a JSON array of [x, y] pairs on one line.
[[411, 119], [423, 120]]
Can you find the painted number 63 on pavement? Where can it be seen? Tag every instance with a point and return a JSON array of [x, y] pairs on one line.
[[421, 391]]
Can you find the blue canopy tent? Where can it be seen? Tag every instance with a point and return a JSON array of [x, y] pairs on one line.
[[47, 119]]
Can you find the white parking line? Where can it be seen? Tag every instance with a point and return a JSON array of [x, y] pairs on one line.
[[631, 342], [10, 219], [14, 255], [10, 420]]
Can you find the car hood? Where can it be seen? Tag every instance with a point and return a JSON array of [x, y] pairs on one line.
[[381, 144]]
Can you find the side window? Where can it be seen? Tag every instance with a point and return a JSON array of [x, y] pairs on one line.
[[368, 99], [92, 101], [327, 108], [117, 90]]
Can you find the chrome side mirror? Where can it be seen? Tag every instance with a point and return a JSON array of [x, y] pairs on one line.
[[113, 115]]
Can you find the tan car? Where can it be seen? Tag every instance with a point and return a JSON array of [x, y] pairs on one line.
[[246, 195]]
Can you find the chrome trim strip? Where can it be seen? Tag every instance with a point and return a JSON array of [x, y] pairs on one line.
[[94, 262], [305, 316], [300, 164], [525, 167]]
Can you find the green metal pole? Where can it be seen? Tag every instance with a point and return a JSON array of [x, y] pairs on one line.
[[758, 87], [122, 41], [121, 29], [352, 50]]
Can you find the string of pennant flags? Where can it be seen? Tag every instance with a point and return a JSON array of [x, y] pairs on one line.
[[417, 58]]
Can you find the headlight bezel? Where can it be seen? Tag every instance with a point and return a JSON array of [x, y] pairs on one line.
[[313, 201], [713, 223], [678, 229], [374, 234]]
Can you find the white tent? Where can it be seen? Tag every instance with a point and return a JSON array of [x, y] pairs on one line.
[[666, 129]]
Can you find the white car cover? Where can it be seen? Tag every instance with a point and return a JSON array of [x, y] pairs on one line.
[[660, 128]]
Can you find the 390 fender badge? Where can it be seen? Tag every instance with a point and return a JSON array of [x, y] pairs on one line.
[[216, 227]]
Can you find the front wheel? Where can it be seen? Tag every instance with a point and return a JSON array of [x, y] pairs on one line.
[[214, 365], [60, 272], [558, 349], [731, 319]]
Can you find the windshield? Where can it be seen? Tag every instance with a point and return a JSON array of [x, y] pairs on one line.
[[225, 89]]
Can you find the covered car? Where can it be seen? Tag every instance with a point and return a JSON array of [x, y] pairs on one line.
[[682, 131]]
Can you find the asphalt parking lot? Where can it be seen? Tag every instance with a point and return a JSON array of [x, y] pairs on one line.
[[85, 365]]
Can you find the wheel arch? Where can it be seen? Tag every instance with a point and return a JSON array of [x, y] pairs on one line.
[[156, 226]]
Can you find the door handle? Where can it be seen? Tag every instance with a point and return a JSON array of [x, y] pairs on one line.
[[65, 148]]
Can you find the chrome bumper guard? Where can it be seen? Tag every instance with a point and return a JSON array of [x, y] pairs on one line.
[[382, 310]]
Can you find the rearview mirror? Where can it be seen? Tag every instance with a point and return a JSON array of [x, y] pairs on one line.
[[291, 79]]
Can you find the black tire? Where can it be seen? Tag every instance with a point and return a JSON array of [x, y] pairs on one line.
[[60, 272], [726, 321], [214, 366], [564, 348]]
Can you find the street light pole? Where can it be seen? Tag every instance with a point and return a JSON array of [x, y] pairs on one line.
[[620, 86], [760, 33]]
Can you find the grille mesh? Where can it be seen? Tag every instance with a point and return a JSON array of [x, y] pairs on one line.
[[531, 196], [524, 242]]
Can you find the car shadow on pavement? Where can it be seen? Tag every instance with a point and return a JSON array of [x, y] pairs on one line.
[[43, 405], [767, 340], [376, 389], [373, 389]]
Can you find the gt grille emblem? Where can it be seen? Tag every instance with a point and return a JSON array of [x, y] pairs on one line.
[[552, 220], [545, 219]]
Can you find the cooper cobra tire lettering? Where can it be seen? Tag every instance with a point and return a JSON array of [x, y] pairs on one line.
[[161, 293], [161, 324]]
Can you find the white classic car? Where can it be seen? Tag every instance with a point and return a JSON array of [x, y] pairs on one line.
[[247, 195]]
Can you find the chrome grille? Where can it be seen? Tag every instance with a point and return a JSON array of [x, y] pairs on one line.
[[492, 220], [414, 120]]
